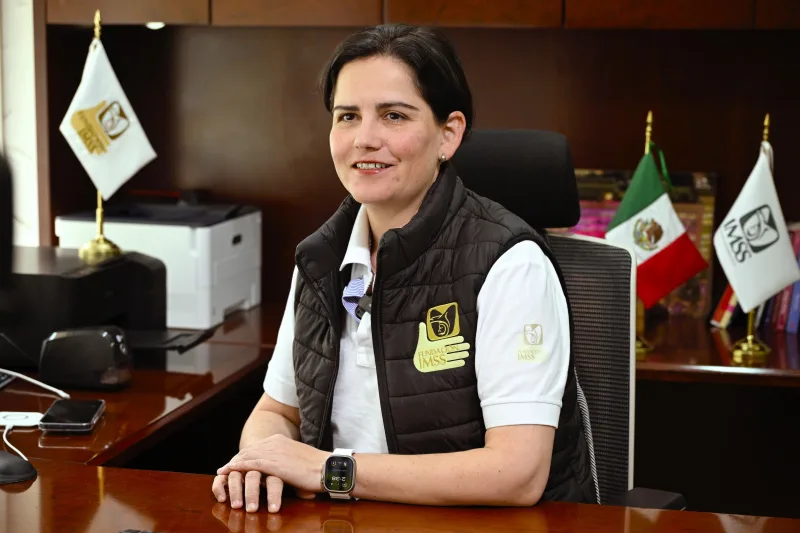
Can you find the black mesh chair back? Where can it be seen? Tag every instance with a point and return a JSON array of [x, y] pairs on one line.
[[601, 286], [530, 173]]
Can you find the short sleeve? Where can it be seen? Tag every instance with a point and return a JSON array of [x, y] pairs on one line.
[[279, 382], [522, 340]]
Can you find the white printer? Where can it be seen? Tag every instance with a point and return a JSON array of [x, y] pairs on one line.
[[212, 253]]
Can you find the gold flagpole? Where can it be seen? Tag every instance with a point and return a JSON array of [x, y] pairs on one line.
[[749, 350], [98, 249], [642, 346]]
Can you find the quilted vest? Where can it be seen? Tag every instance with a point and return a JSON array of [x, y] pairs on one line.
[[430, 272]]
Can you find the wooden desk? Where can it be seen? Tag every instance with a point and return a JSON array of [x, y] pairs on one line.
[[156, 404], [688, 350], [255, 327], [69, 497]]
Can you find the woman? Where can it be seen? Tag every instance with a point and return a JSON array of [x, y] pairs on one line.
[[408, 336]]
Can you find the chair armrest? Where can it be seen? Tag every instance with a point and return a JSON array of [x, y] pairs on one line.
[[649, 499]]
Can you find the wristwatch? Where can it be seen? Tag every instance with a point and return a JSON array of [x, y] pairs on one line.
[[339, 474]]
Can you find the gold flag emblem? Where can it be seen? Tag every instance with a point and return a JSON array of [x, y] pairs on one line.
[[98, 126]]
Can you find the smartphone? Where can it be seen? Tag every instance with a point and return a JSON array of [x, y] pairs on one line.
[[74, 416]]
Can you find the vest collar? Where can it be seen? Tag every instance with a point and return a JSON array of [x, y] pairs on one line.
[[400, 247], [322, 252]]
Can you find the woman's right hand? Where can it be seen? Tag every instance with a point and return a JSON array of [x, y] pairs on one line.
[[245, 490]]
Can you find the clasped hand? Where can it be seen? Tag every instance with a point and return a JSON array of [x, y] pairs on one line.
[[280, 460]]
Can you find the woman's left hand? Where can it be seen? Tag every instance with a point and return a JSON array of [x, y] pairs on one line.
[[297, 464]]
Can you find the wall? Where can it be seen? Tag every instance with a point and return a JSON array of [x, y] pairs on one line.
[[235, 110], [19, 119]]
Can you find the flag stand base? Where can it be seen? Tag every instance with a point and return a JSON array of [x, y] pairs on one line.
[[99, 249], [749, 351], [642, 346]]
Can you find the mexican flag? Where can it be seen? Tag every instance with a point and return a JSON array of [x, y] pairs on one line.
[[647, 223]]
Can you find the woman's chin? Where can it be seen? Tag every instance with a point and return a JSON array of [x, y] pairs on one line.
[[369, 197]]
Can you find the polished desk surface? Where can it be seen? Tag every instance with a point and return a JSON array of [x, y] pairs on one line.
[[77, 498], [154, 400]]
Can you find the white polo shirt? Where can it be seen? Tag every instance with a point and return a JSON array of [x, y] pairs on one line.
[[521, 349]]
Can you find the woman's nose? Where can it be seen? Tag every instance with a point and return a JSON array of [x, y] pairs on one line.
[[368, 135]]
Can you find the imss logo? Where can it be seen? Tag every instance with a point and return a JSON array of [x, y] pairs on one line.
[[752, 233]]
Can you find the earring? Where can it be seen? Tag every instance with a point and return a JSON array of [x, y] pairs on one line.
[[442, 158]]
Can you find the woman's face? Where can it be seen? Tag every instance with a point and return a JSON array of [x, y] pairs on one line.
[[385, 140]]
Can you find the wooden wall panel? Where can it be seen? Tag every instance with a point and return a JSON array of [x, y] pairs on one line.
[[659, 14], [128, 11], [477, 13], [778, 14], [295, 12], [236, 111]]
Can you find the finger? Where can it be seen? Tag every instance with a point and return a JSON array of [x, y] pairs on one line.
[[246, 466], [456, 356], [235, 489], [274, 491], [218, 487], [461, 347], [252, 490], [305, 495], [451, 364]]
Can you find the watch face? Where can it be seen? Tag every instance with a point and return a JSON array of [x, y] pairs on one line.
[[339, 474]]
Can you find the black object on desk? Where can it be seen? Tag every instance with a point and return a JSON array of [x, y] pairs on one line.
[[53, 290]]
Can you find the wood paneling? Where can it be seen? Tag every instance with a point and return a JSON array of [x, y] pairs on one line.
[[235, 111], [295, 12], [477, 13], [128, 11], [659, 14], [778, 14]]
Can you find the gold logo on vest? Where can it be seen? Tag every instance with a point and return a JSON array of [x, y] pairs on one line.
[[443, 321], [439, 346], [530, 346]]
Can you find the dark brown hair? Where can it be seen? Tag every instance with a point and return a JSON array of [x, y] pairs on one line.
[[430, 56]]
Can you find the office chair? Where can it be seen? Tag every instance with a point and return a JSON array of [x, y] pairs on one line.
[[530, 173]]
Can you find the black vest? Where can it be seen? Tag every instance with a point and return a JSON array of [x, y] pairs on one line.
[[428, 272]]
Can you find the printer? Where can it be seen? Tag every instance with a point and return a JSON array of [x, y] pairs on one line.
[[212, 253], [51, 289]]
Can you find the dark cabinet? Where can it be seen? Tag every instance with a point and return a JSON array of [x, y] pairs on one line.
[[128, 11], [778, 14], [477, 13], [659, 14], [295, 12]]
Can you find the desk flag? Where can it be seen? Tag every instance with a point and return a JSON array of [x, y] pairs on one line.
[[101, 126], [647, 223], [752, 243]]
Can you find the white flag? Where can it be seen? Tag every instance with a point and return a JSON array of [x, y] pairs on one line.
[[101, 127], [752, 243]]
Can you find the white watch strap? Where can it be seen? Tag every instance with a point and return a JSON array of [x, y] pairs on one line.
[[343, 451]]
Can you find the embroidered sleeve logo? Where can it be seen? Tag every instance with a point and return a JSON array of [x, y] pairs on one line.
[[439, 346]]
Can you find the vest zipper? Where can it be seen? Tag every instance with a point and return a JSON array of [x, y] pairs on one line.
[[337, 346], [380, 362]]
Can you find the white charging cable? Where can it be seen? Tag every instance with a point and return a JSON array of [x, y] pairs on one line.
[[11, 419], [60, 392], [5, 439]]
